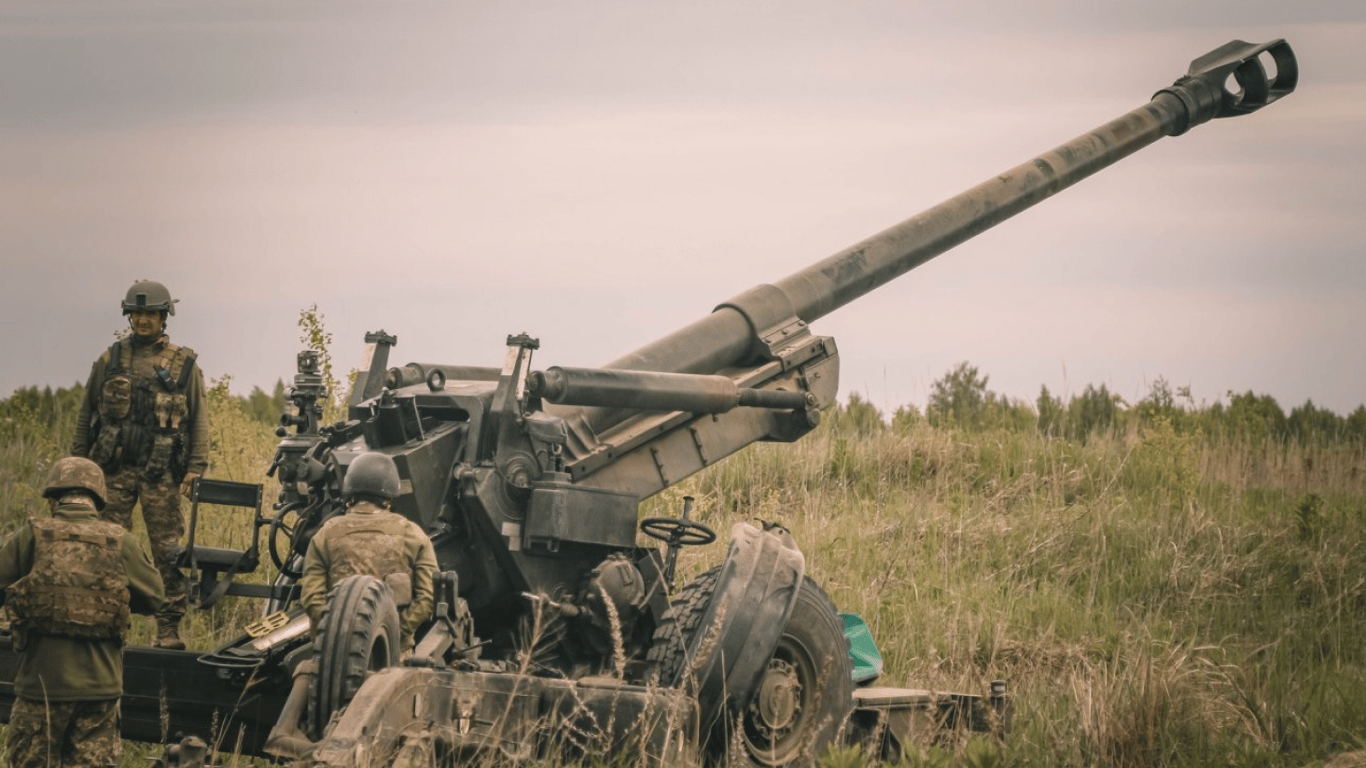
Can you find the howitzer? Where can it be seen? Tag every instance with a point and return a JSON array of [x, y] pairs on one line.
[[553, 627]]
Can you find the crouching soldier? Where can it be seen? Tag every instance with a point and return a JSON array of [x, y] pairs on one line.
[[370, 539], [70, 582]]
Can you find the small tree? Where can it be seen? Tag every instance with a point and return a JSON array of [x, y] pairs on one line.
[[1051, 413], [858, 417], [1311, 425], [1355, 427], [906, 418], [1095, 410], [1161, 403], [1255, 417], [958, 399], [1008, 413]]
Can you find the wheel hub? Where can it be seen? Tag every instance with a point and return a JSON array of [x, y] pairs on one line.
[[779, 698]]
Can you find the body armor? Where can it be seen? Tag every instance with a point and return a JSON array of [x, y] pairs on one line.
[[144, 420], [374, 544], [77, 586]]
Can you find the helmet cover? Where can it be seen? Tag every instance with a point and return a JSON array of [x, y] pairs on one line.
[[75, 473]]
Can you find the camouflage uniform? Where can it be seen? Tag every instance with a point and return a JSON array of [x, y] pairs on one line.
[[144, 421], [370, 539], [70, 665], [91, 729]]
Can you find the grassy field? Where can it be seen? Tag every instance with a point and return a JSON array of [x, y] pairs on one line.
[[1152, 597]]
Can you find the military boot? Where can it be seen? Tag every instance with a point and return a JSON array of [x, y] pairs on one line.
[[168, 633]]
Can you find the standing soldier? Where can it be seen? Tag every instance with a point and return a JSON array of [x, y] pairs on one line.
[[370, 539], [69, 584], [145, 423]]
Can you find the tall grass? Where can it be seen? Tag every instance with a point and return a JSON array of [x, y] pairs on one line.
[[1152, 597]]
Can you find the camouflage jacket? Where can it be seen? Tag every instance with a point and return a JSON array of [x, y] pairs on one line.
[[60, 668], [371, 540], [144, 407]]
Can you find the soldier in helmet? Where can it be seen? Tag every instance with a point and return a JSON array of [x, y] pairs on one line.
[[370, 539], [69, 583], [144, 421]]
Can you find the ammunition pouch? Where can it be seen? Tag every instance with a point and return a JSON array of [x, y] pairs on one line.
[[116, 398], [170, 410], [116, 403], [159, 462], [107, 450]]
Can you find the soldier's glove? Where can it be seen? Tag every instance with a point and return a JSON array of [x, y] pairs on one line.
[[187, 484]]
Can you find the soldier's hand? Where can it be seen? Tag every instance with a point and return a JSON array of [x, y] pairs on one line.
[[187, 484]]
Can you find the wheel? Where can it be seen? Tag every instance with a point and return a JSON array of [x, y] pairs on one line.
[[359, 634], [677, 531], [807, 692], [668, 650], [804, 696], [283, 557]]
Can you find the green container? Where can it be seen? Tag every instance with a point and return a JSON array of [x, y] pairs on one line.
[[863, 651]]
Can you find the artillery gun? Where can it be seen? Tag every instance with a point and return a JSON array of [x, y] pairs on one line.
[[553, 627]]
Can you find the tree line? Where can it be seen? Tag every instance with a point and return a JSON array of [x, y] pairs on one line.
[[960, 399]]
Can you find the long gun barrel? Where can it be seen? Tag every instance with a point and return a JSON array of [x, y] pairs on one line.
[[735, 332]]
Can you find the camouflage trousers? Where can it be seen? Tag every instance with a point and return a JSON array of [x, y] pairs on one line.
[[165, 527], [64, 734]]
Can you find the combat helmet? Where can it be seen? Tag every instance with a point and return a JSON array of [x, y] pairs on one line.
[[371, 475], [149, 296], [75, 474]]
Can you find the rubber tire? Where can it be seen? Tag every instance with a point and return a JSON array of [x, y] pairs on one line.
[[812, 647], [668, 649], [359, 634]]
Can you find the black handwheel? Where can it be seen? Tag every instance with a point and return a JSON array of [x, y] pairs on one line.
[[359, 634], [282, 560], [804, 696], [677, 531]]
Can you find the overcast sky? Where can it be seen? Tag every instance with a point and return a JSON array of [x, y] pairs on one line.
[[598, 174]]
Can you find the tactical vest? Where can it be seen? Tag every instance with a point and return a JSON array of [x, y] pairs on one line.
[[374, 544], [143, 421], [77, 586]]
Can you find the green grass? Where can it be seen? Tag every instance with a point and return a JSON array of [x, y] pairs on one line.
[[1153, 597]]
